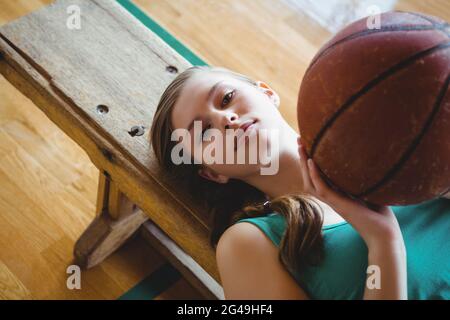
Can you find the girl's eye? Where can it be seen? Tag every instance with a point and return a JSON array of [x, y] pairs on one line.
[[229, 95]]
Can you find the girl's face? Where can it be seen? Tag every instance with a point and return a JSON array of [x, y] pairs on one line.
[[222, 102]]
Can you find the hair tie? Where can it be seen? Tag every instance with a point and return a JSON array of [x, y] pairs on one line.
[[266, 205]]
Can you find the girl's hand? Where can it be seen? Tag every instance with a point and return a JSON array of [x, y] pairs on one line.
[[378, 227], [375, 226]]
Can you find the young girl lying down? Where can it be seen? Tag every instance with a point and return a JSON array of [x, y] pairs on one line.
[[288, 235]]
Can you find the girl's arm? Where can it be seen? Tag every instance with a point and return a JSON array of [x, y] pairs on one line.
[[391, 260], [378, 228]]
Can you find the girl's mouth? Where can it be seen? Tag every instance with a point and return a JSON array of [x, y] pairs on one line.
[[245, 127]]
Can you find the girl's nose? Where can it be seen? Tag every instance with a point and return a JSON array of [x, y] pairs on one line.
[[229, 120]]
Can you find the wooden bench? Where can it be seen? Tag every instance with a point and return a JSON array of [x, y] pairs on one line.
[[100, 84]]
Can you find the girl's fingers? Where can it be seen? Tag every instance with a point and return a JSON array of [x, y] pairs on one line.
[[321, 188], [334, 199], [307, 183], [359, 216]]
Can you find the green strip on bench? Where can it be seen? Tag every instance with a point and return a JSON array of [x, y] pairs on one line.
[[163, 34], [154, 284]]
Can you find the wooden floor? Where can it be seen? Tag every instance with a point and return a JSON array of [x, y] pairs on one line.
[[48, 184]]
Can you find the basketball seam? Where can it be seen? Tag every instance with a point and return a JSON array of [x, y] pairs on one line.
[[392, 28], [433, 22], [407, 154], [444, 27]]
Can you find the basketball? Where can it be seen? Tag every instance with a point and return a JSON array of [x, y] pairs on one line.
[[374, 109]]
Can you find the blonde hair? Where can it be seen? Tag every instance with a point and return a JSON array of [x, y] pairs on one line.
[[302, 242]]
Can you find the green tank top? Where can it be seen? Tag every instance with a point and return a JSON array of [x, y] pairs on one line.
[[342, 273]]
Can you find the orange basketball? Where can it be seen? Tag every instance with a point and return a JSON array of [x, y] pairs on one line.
[[374, 109]]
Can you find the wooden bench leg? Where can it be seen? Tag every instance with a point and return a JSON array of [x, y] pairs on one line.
[[117, 218]]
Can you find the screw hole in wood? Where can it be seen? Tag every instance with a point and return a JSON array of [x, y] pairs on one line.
[[172, 69], [136, 131], [102, 109]]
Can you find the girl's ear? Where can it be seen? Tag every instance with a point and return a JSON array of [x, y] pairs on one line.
[[266, 89], [211, 175]]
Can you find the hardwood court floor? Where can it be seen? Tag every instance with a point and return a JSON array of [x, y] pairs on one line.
[[48, 184]]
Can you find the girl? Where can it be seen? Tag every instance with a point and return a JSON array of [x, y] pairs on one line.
[[288, 235]]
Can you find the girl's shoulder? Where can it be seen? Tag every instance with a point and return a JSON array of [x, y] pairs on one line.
[[272, 225], [241, 237]]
